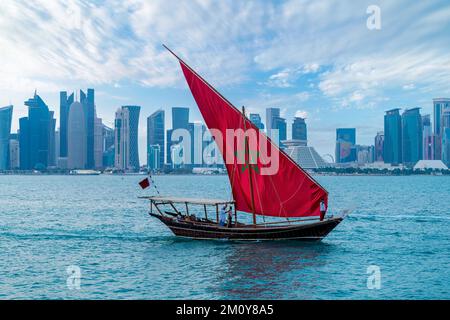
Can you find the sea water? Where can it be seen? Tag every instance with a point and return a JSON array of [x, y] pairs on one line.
[[90, 237]]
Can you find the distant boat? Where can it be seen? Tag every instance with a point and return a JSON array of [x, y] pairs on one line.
[[83, 172], [290, 193]]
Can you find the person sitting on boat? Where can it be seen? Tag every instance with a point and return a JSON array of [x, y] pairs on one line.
[[222, 216], [179, 217], [229, 217], [323, 210]]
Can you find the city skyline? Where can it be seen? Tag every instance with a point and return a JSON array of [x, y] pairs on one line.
[[407, 137], [336, 73]]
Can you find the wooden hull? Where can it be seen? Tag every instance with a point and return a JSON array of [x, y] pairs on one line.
[[306, 231]]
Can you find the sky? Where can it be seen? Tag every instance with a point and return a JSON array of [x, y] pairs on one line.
[[316, 59]]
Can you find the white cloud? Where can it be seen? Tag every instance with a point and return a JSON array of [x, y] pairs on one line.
[[53, 44], [280, 79], [301, 114], [409, 86], [371, 77], [286, 77]]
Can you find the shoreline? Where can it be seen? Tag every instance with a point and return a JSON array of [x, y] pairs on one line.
[[221, 174]]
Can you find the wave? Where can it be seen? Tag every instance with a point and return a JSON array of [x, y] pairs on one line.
[[416, 218], [82, 236]]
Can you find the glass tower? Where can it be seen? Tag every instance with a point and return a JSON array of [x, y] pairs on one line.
[[446, 137], [412, 136], [133, 135], [299, 131], [271, 114], [64, 104], [280, 125], [439, 106], [256, 120], [427, 139], [35, 134], [379, 143], [392, 137], [88, 102], [180, 118], [5, 131], [155, 140], [126, 138], [345, 145]]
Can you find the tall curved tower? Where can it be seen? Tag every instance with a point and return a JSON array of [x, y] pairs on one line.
[[76, 137]]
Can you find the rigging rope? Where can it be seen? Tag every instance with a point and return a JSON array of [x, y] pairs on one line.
[[153, 183]]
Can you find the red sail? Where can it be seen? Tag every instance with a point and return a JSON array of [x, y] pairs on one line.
[[289, 192]]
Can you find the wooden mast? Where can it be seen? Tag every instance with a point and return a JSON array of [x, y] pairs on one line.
[[247, 155]]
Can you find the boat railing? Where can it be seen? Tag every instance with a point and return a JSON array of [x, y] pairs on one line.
[[157, 201]]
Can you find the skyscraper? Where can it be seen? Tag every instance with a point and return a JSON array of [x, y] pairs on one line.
[[169, 144], [14, 156], [108, 146], [126, 138], [108, 137], [271, 113], [279, 124], [428, 138], [155, 140], [446, 136], [51, 162], [24, 143], [379, 144], [446, 146], [412, 136], [134, 133], [5, 131], [256, 119], [88, 102], [64, 104], [180, 120], [153, 157], [445, 119], [76, 137], [35, 134], [392, 137], [345, 145], [364, 154], [196, 131], [98, 142], [57, 146], [299, 131], [439, 105]]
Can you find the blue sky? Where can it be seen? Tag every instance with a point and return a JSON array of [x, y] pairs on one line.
[[313, 58]]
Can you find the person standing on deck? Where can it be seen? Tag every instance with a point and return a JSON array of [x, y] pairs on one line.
[[223, 215], [323, 210], [230, 217]]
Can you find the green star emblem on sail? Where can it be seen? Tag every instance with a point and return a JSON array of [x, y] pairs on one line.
[[249, 159]]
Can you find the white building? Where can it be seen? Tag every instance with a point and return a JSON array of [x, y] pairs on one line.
[[126, 138], [76, 137], [122, 139], [305, 156], [430, 164]]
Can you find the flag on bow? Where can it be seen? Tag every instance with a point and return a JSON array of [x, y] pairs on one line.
[[145, 183]]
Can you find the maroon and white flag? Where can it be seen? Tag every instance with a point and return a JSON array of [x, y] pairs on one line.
[[145, 183]]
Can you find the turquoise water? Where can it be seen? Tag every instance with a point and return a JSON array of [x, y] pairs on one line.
[[47, 223]]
